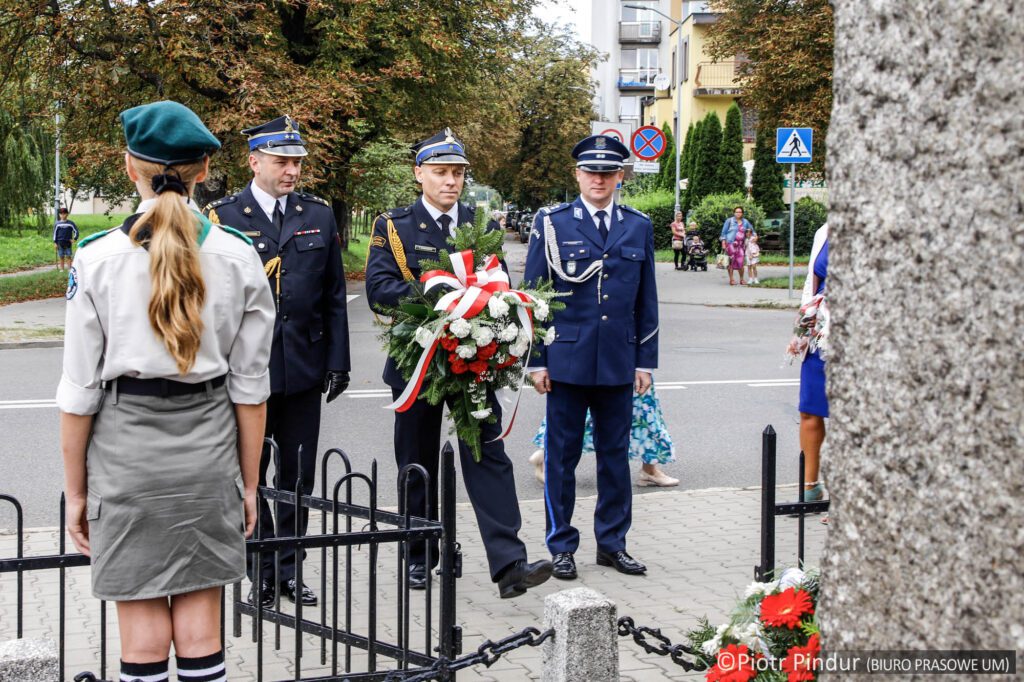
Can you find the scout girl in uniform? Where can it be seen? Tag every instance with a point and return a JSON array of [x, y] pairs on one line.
[[162, 403]]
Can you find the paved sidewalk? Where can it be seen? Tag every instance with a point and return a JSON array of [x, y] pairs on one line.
[[700, 547]]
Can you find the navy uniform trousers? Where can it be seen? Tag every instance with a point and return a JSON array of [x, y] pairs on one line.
[[293, 420], [612, 410], [489, 482]]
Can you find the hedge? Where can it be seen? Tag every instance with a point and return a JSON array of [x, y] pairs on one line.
[[660, 206], [715, 209]]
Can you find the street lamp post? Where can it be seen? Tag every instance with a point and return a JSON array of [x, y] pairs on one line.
[[677, 79]]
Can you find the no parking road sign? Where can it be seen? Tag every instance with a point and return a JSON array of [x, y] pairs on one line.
[[648, 143], [793, 145]]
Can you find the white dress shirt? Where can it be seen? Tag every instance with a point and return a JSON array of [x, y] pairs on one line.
[[266, 201], [436, 213], [108, 333]]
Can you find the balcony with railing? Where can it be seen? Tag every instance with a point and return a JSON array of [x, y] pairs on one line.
[[716, 79], [645, 32], [637, 79]]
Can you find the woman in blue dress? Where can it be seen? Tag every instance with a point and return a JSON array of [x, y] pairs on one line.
[[813, 401], [649, 441]]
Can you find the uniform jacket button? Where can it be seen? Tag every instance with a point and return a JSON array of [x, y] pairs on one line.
[[605, 297], [284, 318], [605, 255], [604, 318], [284, 271], [605, 275]]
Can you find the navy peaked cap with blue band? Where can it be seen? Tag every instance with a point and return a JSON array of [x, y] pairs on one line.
[[279, 137], [600, 154], [167, 132], [442, 148]]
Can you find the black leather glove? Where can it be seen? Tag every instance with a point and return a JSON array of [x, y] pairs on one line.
[[335, 384]]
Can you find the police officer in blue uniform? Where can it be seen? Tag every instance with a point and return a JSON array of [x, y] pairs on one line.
[[606, 346], [297, 239], [402, 238]]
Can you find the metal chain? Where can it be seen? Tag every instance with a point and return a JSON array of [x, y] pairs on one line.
[[627, 628], [487, 654]]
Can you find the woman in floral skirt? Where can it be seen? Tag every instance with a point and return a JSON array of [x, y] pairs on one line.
[[649, 441]]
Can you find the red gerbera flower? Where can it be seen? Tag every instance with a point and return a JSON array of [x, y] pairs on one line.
[[734, 663], [478, 366], [786, 609], [801, 662]]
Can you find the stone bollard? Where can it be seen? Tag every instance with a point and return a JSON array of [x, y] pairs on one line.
[[585, 645], [28, 659]]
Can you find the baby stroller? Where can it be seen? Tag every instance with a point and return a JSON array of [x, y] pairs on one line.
[[697, 254]]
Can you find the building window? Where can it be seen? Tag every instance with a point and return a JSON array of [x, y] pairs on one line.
[[749, 118], [629, 108], [631, 14], [686, 60]]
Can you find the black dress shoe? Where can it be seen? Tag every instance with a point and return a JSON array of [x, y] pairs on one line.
[[289, 589], [564, 566], [417, 577], [521, 576], [266, 594], [622, 562]]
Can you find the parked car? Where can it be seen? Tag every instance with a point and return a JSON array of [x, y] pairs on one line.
[[525, 225]]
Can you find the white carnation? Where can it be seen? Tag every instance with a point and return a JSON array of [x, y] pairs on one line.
[[424, 337], [549, 336], [541, 311], [481, 414], [519, 348], [791, 577], [497, 307], [483, 335], [758, 589], [508, 333], [465, 352], [460, 328]]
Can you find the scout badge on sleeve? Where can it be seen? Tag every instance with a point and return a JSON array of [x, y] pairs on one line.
[[72, 284]]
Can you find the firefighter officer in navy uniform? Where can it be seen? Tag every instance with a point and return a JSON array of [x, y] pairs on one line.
[[401, 238], [297, 239], [606, 346]]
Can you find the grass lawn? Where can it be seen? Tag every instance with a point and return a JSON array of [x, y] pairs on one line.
[[31, 287], [355, 258], [31, 249], [781, 282], [783, 259]]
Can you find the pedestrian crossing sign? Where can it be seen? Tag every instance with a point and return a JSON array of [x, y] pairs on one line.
[[793, 145]]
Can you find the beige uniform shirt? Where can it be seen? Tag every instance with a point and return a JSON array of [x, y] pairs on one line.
[[107, 333]]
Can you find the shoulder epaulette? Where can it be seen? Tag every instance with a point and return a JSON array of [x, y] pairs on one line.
[[232, 231], [399, 212], [96, 235], [312, 197], [555, 208], [634, 211], [220, 202]]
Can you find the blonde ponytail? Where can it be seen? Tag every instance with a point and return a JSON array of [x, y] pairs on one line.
[[176, 303]]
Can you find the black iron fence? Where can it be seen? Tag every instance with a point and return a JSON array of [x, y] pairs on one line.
[[348, 620], [770, 508]]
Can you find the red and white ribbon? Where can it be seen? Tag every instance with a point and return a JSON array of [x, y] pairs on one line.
[[471, 290]]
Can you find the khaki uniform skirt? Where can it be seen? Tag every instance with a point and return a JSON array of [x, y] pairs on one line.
[[165, 506]]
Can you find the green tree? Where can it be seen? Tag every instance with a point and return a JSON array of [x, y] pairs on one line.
[[26, 170], [766, 180], [686, 163], [706, 161], [381, 177], [786, 69], [731, 175], [667, 172]]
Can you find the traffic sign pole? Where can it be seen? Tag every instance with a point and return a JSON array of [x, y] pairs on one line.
[[792, 216]]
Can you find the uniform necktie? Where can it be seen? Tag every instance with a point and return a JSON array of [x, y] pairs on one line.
[[601, 226], [278, 217], [445, 222]]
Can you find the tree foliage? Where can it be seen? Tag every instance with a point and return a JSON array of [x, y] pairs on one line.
[[26, 170], [706, 160], [686, 163], [731, 175], [381, 177], [353, 73], [667, 172], [787, 72], [766, 180]]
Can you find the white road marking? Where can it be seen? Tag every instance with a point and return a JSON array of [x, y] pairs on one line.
[[351, 297], [385, 393]]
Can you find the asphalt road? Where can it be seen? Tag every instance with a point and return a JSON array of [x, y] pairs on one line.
[[720, 381]]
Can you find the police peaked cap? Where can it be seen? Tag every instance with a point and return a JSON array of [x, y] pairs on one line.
[[600, 154], [279, 137], [442, 148], [167, 132]]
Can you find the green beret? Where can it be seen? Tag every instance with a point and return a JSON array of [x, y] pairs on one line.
[[167, 132]]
